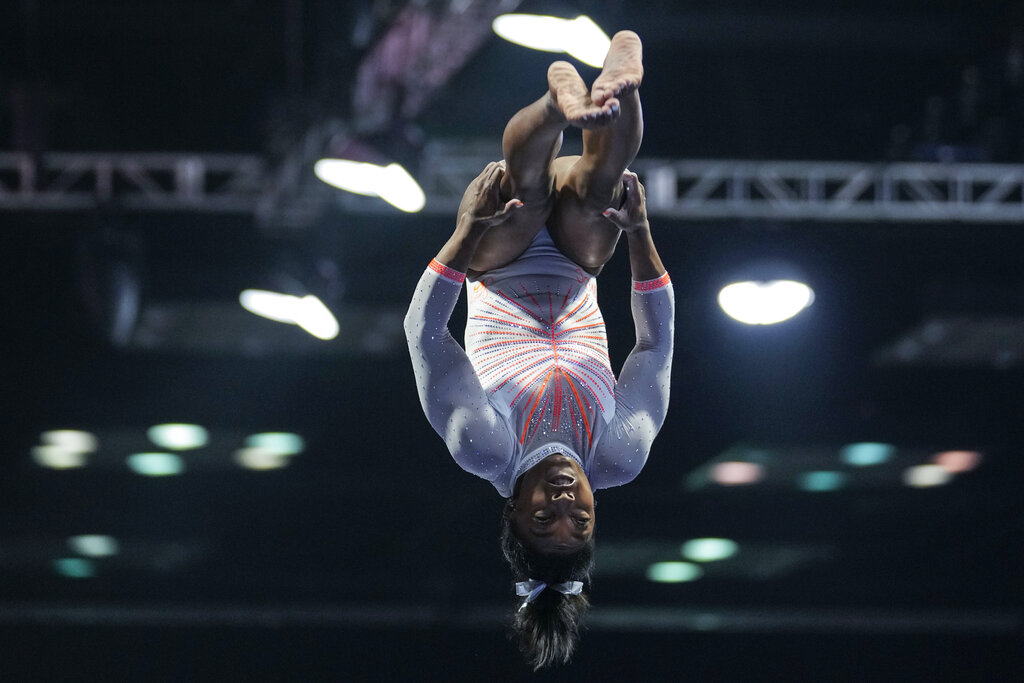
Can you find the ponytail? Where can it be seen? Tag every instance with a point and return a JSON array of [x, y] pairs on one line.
[[548, 625]]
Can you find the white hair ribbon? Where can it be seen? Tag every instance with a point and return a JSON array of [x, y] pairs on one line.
[[532, 588]]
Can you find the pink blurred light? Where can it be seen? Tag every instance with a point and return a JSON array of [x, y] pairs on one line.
[[736, 472], [957, 461]]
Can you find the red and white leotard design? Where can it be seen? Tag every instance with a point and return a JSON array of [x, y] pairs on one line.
[[535, 378]]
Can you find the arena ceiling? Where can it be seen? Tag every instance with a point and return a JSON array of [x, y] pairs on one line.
[[914, 341]]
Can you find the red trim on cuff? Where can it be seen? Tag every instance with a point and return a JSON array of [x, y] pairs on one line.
[[446, 272], [651, 285]]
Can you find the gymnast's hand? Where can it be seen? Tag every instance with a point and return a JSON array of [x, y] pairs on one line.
[[481, 208], [632, 215]]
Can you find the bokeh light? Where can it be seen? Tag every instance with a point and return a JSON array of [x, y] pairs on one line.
[[709, 549], [736, 473], [674, 572]]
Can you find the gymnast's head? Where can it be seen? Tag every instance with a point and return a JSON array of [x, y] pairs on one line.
[[547, 538]]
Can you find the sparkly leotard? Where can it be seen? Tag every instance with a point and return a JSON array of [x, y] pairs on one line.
[[536, 379]]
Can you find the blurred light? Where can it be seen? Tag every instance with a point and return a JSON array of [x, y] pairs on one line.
[[392, 183], [736, 472], [765, 303], [255, 458], [709, 549], [70, 440], [75, 567], [586, 41], [865, 454], [821, 481], [674, 572], [579, 37], [279, 443], [94, 545], [58, 457], [156, 464], [307, 312], [922, 476], [178, 437], [955, 462]]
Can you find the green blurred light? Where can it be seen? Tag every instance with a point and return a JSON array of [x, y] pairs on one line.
[[821, 480], [674, 572], [866, 454], [281, 443], [75, 567], [156, 464], [709, 549], [178, 437], [94, 545]]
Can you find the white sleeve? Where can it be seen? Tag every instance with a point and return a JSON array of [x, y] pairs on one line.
[[642, 389], [450, 392]]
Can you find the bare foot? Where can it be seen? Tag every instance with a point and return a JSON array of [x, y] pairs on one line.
[[623, 69], [569, 94]]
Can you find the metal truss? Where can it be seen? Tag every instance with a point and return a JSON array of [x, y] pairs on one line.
[[680, 189], [138, 182]]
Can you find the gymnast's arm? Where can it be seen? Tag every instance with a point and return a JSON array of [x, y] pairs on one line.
[[642, 389], [450, 392]]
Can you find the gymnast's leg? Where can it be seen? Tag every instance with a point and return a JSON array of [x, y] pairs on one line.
[[530, 144], [585, 186]]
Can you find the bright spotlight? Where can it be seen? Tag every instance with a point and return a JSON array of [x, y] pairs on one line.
[[579, 37], [178, 437], [765, 303], [392, 183], [307, 312]]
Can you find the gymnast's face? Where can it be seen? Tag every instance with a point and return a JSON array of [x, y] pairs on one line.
[[554, 511]]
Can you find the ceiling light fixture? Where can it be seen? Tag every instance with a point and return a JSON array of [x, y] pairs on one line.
[[580, 37]]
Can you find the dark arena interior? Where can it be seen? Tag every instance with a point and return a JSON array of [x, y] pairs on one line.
[[837, 497]]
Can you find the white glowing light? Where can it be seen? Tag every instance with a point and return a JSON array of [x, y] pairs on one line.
[[58, 457], [254, 458], [392, 183], [94, 545], [736, 473], [765, 303], [279, 443], [314, 317], [156, 464], [307, 312], [73, 440], [957, 461], [579, 37], [709, 549], [674, 572], [178, 437], [923, 476]]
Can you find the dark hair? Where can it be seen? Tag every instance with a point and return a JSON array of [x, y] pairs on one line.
[[548, 627]]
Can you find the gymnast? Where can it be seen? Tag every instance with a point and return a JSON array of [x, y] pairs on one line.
[[531, 404]]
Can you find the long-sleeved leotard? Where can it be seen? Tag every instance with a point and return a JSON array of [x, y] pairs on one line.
[[536, 379]]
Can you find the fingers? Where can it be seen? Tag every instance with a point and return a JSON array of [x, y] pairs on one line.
[[632, 211]]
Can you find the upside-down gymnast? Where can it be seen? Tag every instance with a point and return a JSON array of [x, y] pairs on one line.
[[532, 404]]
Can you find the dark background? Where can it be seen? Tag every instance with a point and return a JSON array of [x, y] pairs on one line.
[[372, 556]]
